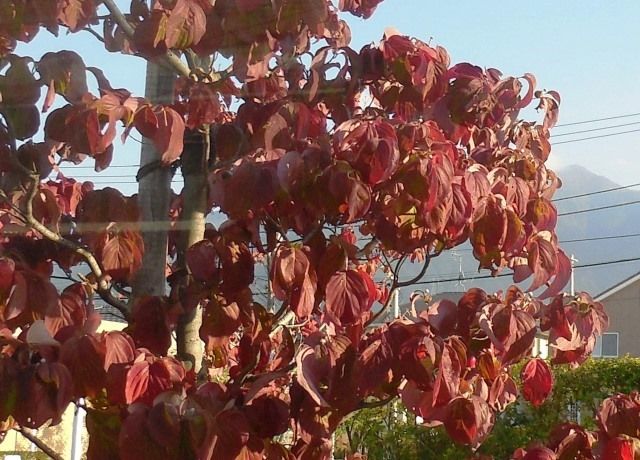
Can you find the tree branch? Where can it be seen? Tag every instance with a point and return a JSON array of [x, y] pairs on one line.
[[374, 404], [39, 443], [418, 277], [103, 286], [170, 59]]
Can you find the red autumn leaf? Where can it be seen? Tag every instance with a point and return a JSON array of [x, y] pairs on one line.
[[294, 279], [503, 392], [150, 325], [468, 421], [538, 453], [348, 195], [310, 371], [201, 103], [105, 206], [149, 35], [121, 254], [542, 259], [84, 357], [619, 449], [537, 381], [165, 127], [549, 102], [137, 381], [16, 300], [70, 314], [144, 379], [119, 349], [347, 297], [45, 390], [542, 213], [569, 441], [442, 317], [619, 415], [7, 270], [202, 260], [220, 319], [561, 277], [360, 8], [522, 334], [64, 73], [19, 87], [186, 24], [237, 265], [371, 147], [25, 120], [76, 14]]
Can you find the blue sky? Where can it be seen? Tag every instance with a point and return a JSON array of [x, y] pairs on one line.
[[586, 50]]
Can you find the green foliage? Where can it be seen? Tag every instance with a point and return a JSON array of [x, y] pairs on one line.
[[391, 433]]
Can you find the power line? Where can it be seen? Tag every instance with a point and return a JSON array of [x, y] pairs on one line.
[[596, 137], [600, 208], [577, 240], [622, 187], [482, 277], [594, 120], [479, 277], [599, 238], [596, 129]]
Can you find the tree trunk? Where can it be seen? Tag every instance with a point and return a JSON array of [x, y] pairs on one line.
[[195, 158], [154, 195]]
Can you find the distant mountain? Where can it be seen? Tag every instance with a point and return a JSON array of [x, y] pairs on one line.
[[451, 271], [576, 180], [616, 221]]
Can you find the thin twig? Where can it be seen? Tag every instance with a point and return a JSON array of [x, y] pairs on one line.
[[375, 404], [94, 33], [169, 58], [386, 304], [418, 277], [103, 286], [39, 443]]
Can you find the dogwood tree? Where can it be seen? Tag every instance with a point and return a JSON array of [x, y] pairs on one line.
[[332, 166]]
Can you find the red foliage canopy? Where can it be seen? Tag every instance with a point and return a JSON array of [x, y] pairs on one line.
[[332, 172]]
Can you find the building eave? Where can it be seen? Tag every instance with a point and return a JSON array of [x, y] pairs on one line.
[[617, 287]]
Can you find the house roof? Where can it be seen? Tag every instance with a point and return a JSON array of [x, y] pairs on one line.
[[618, 287]]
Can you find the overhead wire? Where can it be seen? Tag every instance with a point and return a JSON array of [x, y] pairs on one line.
[[579, 240], [481, 277], [602, 128], [621, 187], [555, 135], [599, 208], [596, 137], [501, 275], [595, 120]]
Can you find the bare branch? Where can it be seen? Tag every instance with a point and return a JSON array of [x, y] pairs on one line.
[[374, 404], [104, 287], [94, 33], [418, 277], [170, 58], [119, 18], [380, 312], [39, 443]]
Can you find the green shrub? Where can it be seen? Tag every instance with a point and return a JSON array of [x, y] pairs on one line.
[[391, 433]]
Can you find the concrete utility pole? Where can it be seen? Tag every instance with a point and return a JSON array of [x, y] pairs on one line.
[[154, 193], [573, 280]]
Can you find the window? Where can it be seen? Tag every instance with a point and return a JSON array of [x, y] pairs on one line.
[[606, 345]]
